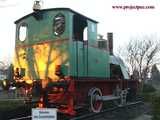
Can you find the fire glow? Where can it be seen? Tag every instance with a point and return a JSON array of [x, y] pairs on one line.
[[40, 61]]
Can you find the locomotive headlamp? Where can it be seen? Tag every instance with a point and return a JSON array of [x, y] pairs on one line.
[[4, 83]]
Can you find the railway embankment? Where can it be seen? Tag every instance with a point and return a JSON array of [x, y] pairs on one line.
[[151, 97], [10, 108], [149, 110], [11, 105]]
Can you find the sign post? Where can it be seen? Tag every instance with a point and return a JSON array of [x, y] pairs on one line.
[[44, 114]]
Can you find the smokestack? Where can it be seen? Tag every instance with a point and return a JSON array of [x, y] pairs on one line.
[[37, 5], [110, 42]]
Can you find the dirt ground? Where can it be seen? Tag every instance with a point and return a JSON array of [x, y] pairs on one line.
[[146, 113], [144, 117]]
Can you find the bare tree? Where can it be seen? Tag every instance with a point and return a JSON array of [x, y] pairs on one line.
[[2, 65], [141, 55]]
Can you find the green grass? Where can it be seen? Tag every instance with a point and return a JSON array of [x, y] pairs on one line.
[[152, 96], [156, 107]]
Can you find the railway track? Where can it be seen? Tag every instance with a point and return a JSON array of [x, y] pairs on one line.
[[22, 118], [88, 115], [100, 114]]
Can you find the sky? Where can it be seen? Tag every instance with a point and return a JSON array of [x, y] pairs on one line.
[[124, 23]]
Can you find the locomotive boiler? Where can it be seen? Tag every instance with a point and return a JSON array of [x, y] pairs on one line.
[[57, 51]]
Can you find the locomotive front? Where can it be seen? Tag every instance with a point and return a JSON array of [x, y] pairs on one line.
[[41, 53]]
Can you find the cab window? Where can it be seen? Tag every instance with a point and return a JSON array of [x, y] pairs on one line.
[[22, 32]]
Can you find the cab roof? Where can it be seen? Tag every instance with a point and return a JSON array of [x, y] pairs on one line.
[[54, 9]]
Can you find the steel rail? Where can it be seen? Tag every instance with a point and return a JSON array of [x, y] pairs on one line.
[[22, 118], [89, 115]]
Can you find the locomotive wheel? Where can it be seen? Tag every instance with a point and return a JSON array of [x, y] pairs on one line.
[[95, 105]]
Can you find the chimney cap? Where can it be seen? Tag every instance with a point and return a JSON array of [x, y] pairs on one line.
[[37, 5], [100, 36]]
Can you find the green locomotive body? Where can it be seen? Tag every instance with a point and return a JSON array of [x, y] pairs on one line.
[[85, 59]]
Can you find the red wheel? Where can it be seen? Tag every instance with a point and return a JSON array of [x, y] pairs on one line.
[[95, 104]]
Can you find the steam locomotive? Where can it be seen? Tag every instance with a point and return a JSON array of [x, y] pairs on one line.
[[58, 56]]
